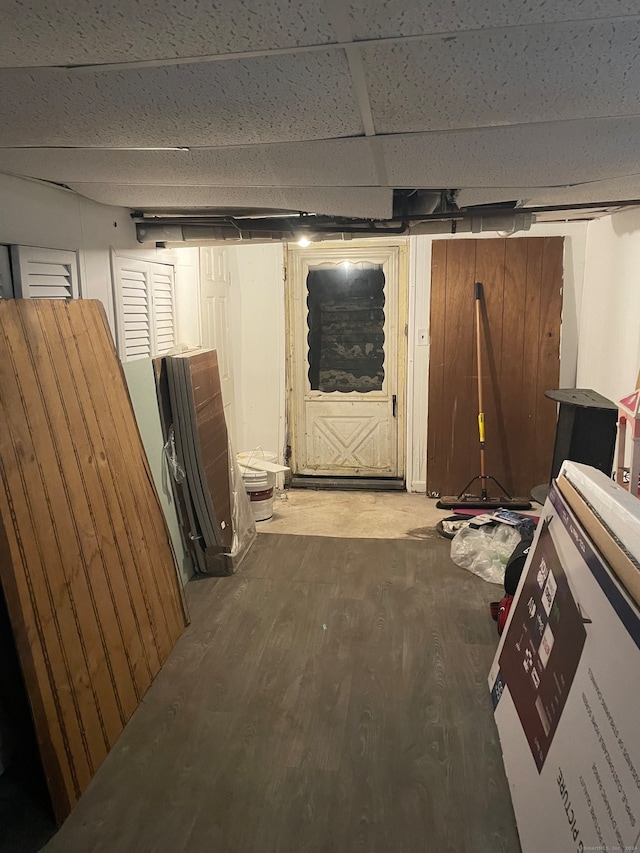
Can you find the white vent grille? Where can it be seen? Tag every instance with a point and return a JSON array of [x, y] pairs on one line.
[[44, 273]]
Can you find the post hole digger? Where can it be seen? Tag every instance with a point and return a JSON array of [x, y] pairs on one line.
[[481, 500]]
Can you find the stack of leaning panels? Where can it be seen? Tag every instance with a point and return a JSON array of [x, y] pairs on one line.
[[193, 418]]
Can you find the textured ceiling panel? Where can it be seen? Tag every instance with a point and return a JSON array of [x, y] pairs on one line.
[[519, 75], [599, 191], [88, 31], [228, 103], [358, 202], [535, 155], [337, 162], [388, 18], [489, 195]]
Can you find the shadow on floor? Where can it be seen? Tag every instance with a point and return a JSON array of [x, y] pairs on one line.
[[26, 821]]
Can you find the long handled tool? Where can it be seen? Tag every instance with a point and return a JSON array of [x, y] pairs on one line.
[[481, 501]]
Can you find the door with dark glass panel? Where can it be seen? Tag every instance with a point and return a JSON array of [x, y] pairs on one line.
[[345, 360]]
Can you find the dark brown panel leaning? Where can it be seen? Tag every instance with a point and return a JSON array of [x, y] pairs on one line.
[[202, 442], [435, 449], [515, 427], [529, 400], [452, 319], [521, 314], [87, 566], [213, 441], [548, 364]]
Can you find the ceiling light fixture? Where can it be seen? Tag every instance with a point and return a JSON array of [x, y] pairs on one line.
[[304, 242]]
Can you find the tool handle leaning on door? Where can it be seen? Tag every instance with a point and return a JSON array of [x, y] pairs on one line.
[[478, 298]]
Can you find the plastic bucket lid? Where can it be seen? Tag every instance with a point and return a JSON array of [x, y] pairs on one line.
[[247, 455]]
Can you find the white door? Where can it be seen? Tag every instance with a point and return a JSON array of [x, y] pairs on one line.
[[346, 359], [215, 306]]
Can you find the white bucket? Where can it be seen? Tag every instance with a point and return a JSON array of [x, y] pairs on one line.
[[259, 485]]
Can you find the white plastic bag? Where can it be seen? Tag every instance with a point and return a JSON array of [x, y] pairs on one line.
[[485, 550]]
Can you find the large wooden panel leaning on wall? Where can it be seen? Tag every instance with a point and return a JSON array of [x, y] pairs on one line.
[[85, 559], [521, 314]]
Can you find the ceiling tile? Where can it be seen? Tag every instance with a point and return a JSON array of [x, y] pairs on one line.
[[337, 162], [472, 197], [622, 189], [358, 202], [512, 76], [524, 155], [228, 103], [89, 31], [389, 18]]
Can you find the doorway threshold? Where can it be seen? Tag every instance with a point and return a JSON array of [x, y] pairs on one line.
[[369, 484]]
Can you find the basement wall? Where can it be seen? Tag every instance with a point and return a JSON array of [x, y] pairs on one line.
[[609, 349], [258, 333], [258, 323], [33, 213]]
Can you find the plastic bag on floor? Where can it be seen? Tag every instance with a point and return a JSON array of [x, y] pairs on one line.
[[485, 550]]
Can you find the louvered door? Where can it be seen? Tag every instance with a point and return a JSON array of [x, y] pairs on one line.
[[135, 318], [145, 294], [163, 295], [44, 273]]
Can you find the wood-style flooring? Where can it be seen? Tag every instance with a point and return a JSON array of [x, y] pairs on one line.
[[330, 697]]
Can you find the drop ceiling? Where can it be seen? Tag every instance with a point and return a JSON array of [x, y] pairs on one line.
[[323, 107]]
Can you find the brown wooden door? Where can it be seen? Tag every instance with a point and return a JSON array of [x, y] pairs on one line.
[[521, 315]]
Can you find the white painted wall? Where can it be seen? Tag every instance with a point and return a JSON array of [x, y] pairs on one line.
[[259, 337], [258, 331], [187, 268], [609, 350], [33, 213]]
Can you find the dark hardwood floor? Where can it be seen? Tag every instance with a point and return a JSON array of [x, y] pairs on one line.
[[330, 697]]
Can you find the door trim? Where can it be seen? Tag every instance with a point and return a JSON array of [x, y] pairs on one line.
[[293, 259]]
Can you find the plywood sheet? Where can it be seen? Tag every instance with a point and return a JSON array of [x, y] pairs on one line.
[[142, 390], [85, 556]]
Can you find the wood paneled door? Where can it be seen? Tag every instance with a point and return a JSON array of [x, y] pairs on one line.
[[521, 316]]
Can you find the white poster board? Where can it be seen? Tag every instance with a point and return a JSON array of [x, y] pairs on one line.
[[565, 685]]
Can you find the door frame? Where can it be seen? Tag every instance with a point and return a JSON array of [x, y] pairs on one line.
[[213, 268], [293, 256]]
